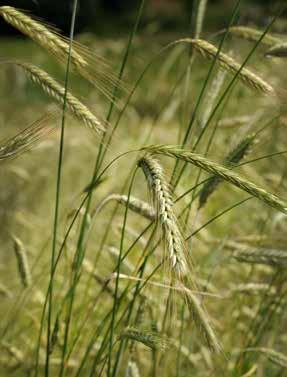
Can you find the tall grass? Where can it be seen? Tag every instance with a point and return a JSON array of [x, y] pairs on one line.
[[149, 274]]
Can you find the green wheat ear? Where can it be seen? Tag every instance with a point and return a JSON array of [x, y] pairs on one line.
[[221, 172], [152, 340], [233, 158]]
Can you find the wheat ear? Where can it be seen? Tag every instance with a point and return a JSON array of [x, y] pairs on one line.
[[222, 172], [254, 35], [277, 358], [233, 158], [134, 204], [40, 34], [249, 78], [57, 45], [151, 340], [270, 257], [202, 320], [56, 91], [163, 202], [22, 261], [251, 289], [279, 50], [24, 140], [211, 96]]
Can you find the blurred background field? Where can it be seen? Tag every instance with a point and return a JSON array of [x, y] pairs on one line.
[[160, 107]]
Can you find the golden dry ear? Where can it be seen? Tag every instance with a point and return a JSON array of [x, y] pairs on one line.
[[90, 66], [57, 92], [226, 62], [26, 139]]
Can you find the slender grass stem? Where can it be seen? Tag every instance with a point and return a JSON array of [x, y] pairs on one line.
[[117, 280], [58, 191]]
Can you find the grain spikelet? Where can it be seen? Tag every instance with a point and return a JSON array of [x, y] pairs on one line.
[[24, 140], [150, 339], [254, 35], [233, 158], [91, 67], [279, 50], [277, 358], [56, 91], [22, 262], [249, 78], [202, 320], [222, 172], [163, 202], [211, 96], [251, 289], [270, 257], [134, 204]]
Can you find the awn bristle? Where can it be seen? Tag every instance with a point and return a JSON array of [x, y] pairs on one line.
[[56, 91], [163, 203], [24, 140], [222, 172], [208, 51], [22, 262]]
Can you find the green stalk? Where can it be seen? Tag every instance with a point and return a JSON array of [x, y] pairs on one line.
[[131, 306], [115, 306], [58, 191], [180, 340]]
